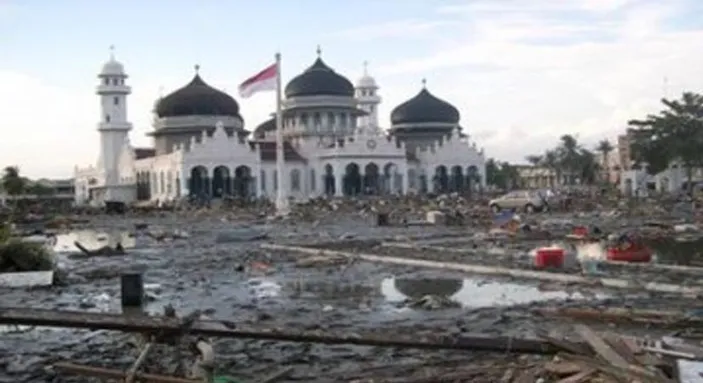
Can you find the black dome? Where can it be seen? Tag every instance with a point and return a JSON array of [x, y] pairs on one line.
[[265, 127], [319, 80], [424, 108], [197, 99]]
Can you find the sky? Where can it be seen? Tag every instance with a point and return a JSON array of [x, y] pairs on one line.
[[521, 72]]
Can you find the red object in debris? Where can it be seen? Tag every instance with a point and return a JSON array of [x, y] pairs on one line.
[[549, 257], [631, 253], [580, 231]]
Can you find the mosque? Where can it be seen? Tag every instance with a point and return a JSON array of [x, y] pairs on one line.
[[334, 144]]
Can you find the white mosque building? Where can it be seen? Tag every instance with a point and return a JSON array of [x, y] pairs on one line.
[[334, 144]]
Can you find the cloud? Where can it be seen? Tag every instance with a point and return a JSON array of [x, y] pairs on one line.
[[607, 68], [399, 28]]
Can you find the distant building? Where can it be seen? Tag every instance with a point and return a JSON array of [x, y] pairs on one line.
[[334, 144]]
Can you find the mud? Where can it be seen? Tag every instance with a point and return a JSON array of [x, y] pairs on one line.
[[220, 278]]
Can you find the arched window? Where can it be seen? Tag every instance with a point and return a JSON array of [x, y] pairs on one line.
[[295, 180], [316, 121], [312, 180], [263, 180], [275, 180], [162, 182]]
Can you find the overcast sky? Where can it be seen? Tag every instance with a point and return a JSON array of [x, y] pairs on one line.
[[521, 72]]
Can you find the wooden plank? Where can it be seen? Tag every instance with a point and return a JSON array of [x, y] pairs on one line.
[[579, 377], [600, 347], [489, 270], [168, 326], [106, 373]]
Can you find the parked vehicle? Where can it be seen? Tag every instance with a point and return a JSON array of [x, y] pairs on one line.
[[525, 200]]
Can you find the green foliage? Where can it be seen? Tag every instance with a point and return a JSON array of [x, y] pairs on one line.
[[12, 183], [569, 159], [37, 188], [5, 232], [16, 256], [673, 135], [501, 174]]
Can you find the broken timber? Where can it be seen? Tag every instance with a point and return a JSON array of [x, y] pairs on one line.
[[107, 373], [165, 326], [502, 271]]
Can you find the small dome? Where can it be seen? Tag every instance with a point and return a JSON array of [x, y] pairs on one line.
[[197, 99], [425, 108], [112, 68], [265, 127], [319, 80], [366, 81]]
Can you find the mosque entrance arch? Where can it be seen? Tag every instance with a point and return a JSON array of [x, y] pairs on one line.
[[371, 179], [390, 178], [352, 180], [199, 183], [441, 179], [241, 182], [328, 180], [221, 184], [457, 179]]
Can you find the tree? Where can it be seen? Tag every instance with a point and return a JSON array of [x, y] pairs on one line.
[[673, 135], [501, 174], [568, 158], [605, 148], [12, 183], [39, 189], [534, 160]]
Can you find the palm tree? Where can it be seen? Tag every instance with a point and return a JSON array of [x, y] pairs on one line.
[[605, 148], [551, 161], [569, 153]]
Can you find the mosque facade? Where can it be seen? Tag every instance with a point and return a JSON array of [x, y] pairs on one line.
[[334, 144]]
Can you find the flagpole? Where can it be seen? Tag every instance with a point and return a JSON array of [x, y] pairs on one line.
[[282, 195]]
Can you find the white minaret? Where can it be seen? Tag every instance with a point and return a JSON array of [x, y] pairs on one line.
[[113, 126], [368, 99]]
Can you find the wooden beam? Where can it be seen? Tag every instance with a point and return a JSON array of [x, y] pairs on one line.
[[165, 326], [107, 373]]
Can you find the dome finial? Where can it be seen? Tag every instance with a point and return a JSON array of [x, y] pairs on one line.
[[197, 69], [424, 83], [319, 50], [366, 68], [112, 52]]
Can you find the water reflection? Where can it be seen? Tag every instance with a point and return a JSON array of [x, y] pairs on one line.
[[92, 240], [469, 292]]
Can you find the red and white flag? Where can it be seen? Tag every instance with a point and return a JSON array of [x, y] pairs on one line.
[[262, 81]]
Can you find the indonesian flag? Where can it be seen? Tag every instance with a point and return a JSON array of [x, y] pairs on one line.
[[262, 81]]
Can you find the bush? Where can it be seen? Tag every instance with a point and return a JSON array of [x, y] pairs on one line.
[[18, 256]]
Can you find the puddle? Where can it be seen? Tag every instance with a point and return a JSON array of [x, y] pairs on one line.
[[471, 293]]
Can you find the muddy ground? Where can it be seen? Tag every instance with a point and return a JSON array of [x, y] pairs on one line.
[[205, 272]]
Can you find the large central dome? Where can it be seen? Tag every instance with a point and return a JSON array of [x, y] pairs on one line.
[[197, 99], [319, 80], [424, 108]]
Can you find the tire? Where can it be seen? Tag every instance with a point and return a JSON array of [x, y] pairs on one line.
[[495, 208], [529, 208]]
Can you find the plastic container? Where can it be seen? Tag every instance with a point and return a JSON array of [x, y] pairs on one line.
[[549, 257], [580, 231], [634, 254]]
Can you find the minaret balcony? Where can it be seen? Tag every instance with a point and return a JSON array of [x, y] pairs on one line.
[[113, 89], [112, 125]]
